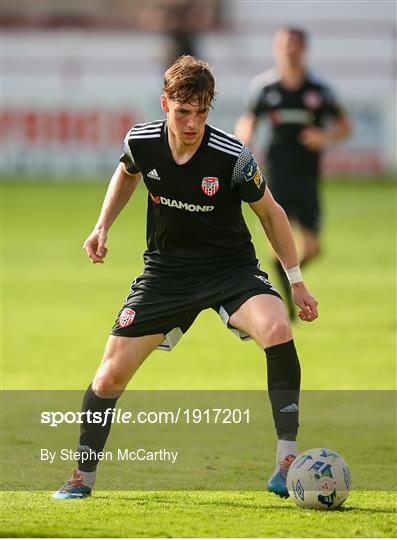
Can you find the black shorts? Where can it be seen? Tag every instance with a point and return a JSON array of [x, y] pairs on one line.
[[163, 304], [300, 200]]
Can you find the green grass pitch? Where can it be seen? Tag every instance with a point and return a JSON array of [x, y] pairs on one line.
[[58, 310]]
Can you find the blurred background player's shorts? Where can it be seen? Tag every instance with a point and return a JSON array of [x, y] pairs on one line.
[[300, 199]]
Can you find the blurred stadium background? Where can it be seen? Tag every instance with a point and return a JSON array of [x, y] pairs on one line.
[[77, 74]]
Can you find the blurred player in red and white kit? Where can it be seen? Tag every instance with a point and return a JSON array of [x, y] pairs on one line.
[[305, 119]]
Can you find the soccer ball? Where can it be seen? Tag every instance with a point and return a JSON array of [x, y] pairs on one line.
[[319, 478]]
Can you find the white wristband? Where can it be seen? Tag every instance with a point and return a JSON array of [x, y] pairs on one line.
[[294, 274]]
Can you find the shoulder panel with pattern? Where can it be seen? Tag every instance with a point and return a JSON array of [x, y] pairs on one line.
[[247, 177]]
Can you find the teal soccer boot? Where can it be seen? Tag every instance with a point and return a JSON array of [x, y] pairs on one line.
[[73, 489], [278, 481]]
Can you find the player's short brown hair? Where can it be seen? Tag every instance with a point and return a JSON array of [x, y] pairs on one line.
[[190, 79], [299, 33]]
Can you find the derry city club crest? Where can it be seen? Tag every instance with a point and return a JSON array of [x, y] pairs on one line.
[[126, 317], [210, 185]]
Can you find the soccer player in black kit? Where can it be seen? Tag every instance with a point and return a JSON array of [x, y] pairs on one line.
[[199, 255], [305, 118]]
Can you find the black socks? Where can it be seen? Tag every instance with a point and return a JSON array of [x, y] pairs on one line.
[[283, 375], [283, 380], [93, 435]]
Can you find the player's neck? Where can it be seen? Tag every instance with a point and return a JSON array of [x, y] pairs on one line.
[[292, 77], [181, 152]]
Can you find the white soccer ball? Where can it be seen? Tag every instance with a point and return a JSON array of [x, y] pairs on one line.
[[319, 478]]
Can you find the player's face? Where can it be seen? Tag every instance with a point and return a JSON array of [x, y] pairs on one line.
[[288, 48], [186, 121]]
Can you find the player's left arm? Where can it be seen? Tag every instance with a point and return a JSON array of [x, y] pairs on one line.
[[248, 179], [317, 138], [278, 230]]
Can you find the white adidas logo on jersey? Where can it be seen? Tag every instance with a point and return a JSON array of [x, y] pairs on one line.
[[153, 174]]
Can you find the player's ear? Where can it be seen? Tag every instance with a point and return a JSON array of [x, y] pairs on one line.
[[164, 103]]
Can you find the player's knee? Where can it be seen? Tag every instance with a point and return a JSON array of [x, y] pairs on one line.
[[107, 388], [279, 331], [108, 382]]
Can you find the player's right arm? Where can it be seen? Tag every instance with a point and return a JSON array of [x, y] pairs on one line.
[[256, 107], [245, 127], [121, 187]]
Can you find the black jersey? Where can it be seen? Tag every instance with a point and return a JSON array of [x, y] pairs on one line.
[[194, 216], [289, 112]]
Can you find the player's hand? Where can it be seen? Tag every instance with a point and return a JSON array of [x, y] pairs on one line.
[[314, 138], [94, 246], [305, 301]]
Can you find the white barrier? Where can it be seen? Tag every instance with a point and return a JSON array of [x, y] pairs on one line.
[[69, 97]]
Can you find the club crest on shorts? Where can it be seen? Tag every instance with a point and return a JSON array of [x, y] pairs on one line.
[[210, 185], [126, 317]]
